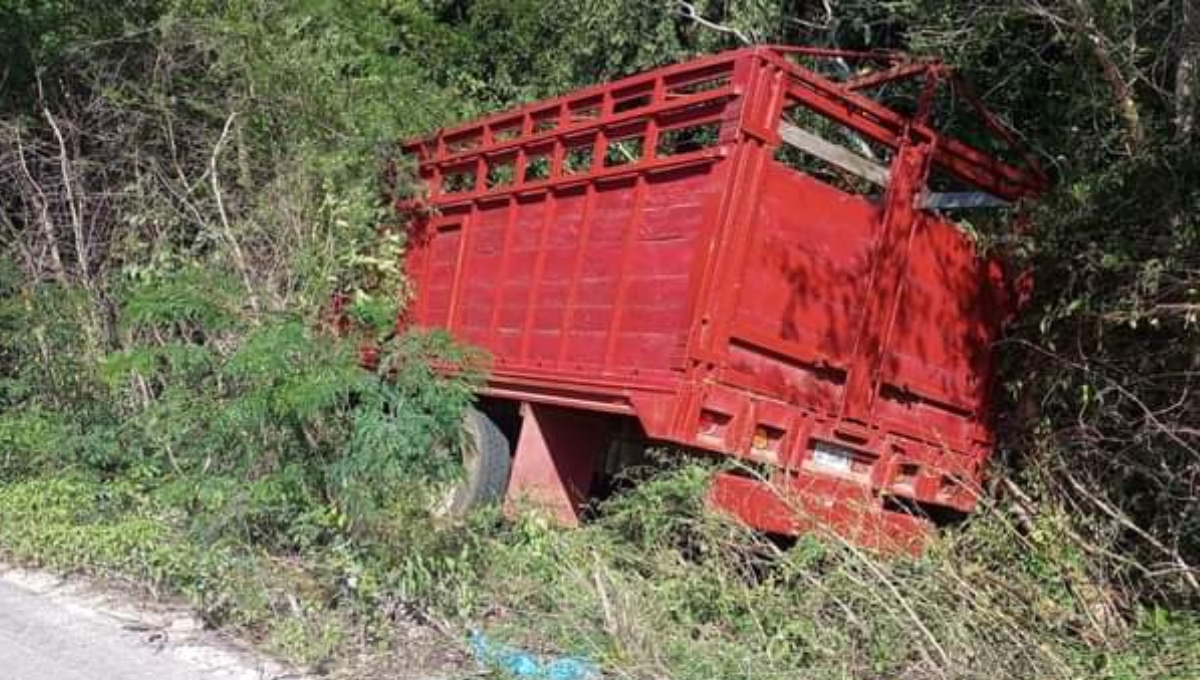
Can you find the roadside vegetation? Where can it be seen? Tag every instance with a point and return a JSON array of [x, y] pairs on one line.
[[185, 185]]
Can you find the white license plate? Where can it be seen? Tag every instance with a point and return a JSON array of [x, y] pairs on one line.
[[833, 458]]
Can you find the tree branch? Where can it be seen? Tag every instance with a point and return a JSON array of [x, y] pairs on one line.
[[235, 247], [74, 207], [43, 206], [688, 10], [1122, 92]]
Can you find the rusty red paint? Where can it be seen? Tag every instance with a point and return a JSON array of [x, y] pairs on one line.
[[725, 300]]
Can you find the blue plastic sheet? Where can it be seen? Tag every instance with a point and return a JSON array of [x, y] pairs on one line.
[[521, 663]]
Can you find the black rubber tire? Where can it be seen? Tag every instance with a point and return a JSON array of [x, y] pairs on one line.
[[486, 461]]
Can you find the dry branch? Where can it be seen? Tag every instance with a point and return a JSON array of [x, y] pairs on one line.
[[235, 247]]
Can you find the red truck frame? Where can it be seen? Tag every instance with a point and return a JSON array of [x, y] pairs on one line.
[[691, 251]]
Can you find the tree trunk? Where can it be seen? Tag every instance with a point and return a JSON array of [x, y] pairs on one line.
[[1188, 54]]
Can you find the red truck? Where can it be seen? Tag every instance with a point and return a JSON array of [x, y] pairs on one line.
[[740, 255]]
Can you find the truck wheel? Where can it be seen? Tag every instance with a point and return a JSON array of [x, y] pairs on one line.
[[486, 462]]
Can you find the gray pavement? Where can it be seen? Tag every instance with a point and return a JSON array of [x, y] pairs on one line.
[[50, 630]]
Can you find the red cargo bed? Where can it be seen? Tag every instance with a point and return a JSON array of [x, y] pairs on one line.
[[690, 247]]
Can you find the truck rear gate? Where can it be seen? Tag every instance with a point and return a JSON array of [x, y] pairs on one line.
[[648, 248]]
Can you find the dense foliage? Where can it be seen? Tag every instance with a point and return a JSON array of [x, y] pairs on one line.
[[185, 183]]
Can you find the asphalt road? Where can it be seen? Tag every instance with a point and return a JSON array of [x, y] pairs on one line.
[[49, 631]]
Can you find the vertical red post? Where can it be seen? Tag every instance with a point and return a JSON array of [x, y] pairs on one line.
[[556, 456]]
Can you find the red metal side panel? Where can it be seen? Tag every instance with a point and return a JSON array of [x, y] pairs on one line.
[[939, 352], [802, 293], [550, 277], [667, 242], [806, 286], [590, 279], [568, 236], [438, 275], [481, 271]]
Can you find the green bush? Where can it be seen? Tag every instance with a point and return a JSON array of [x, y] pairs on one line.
[[656, 587]]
